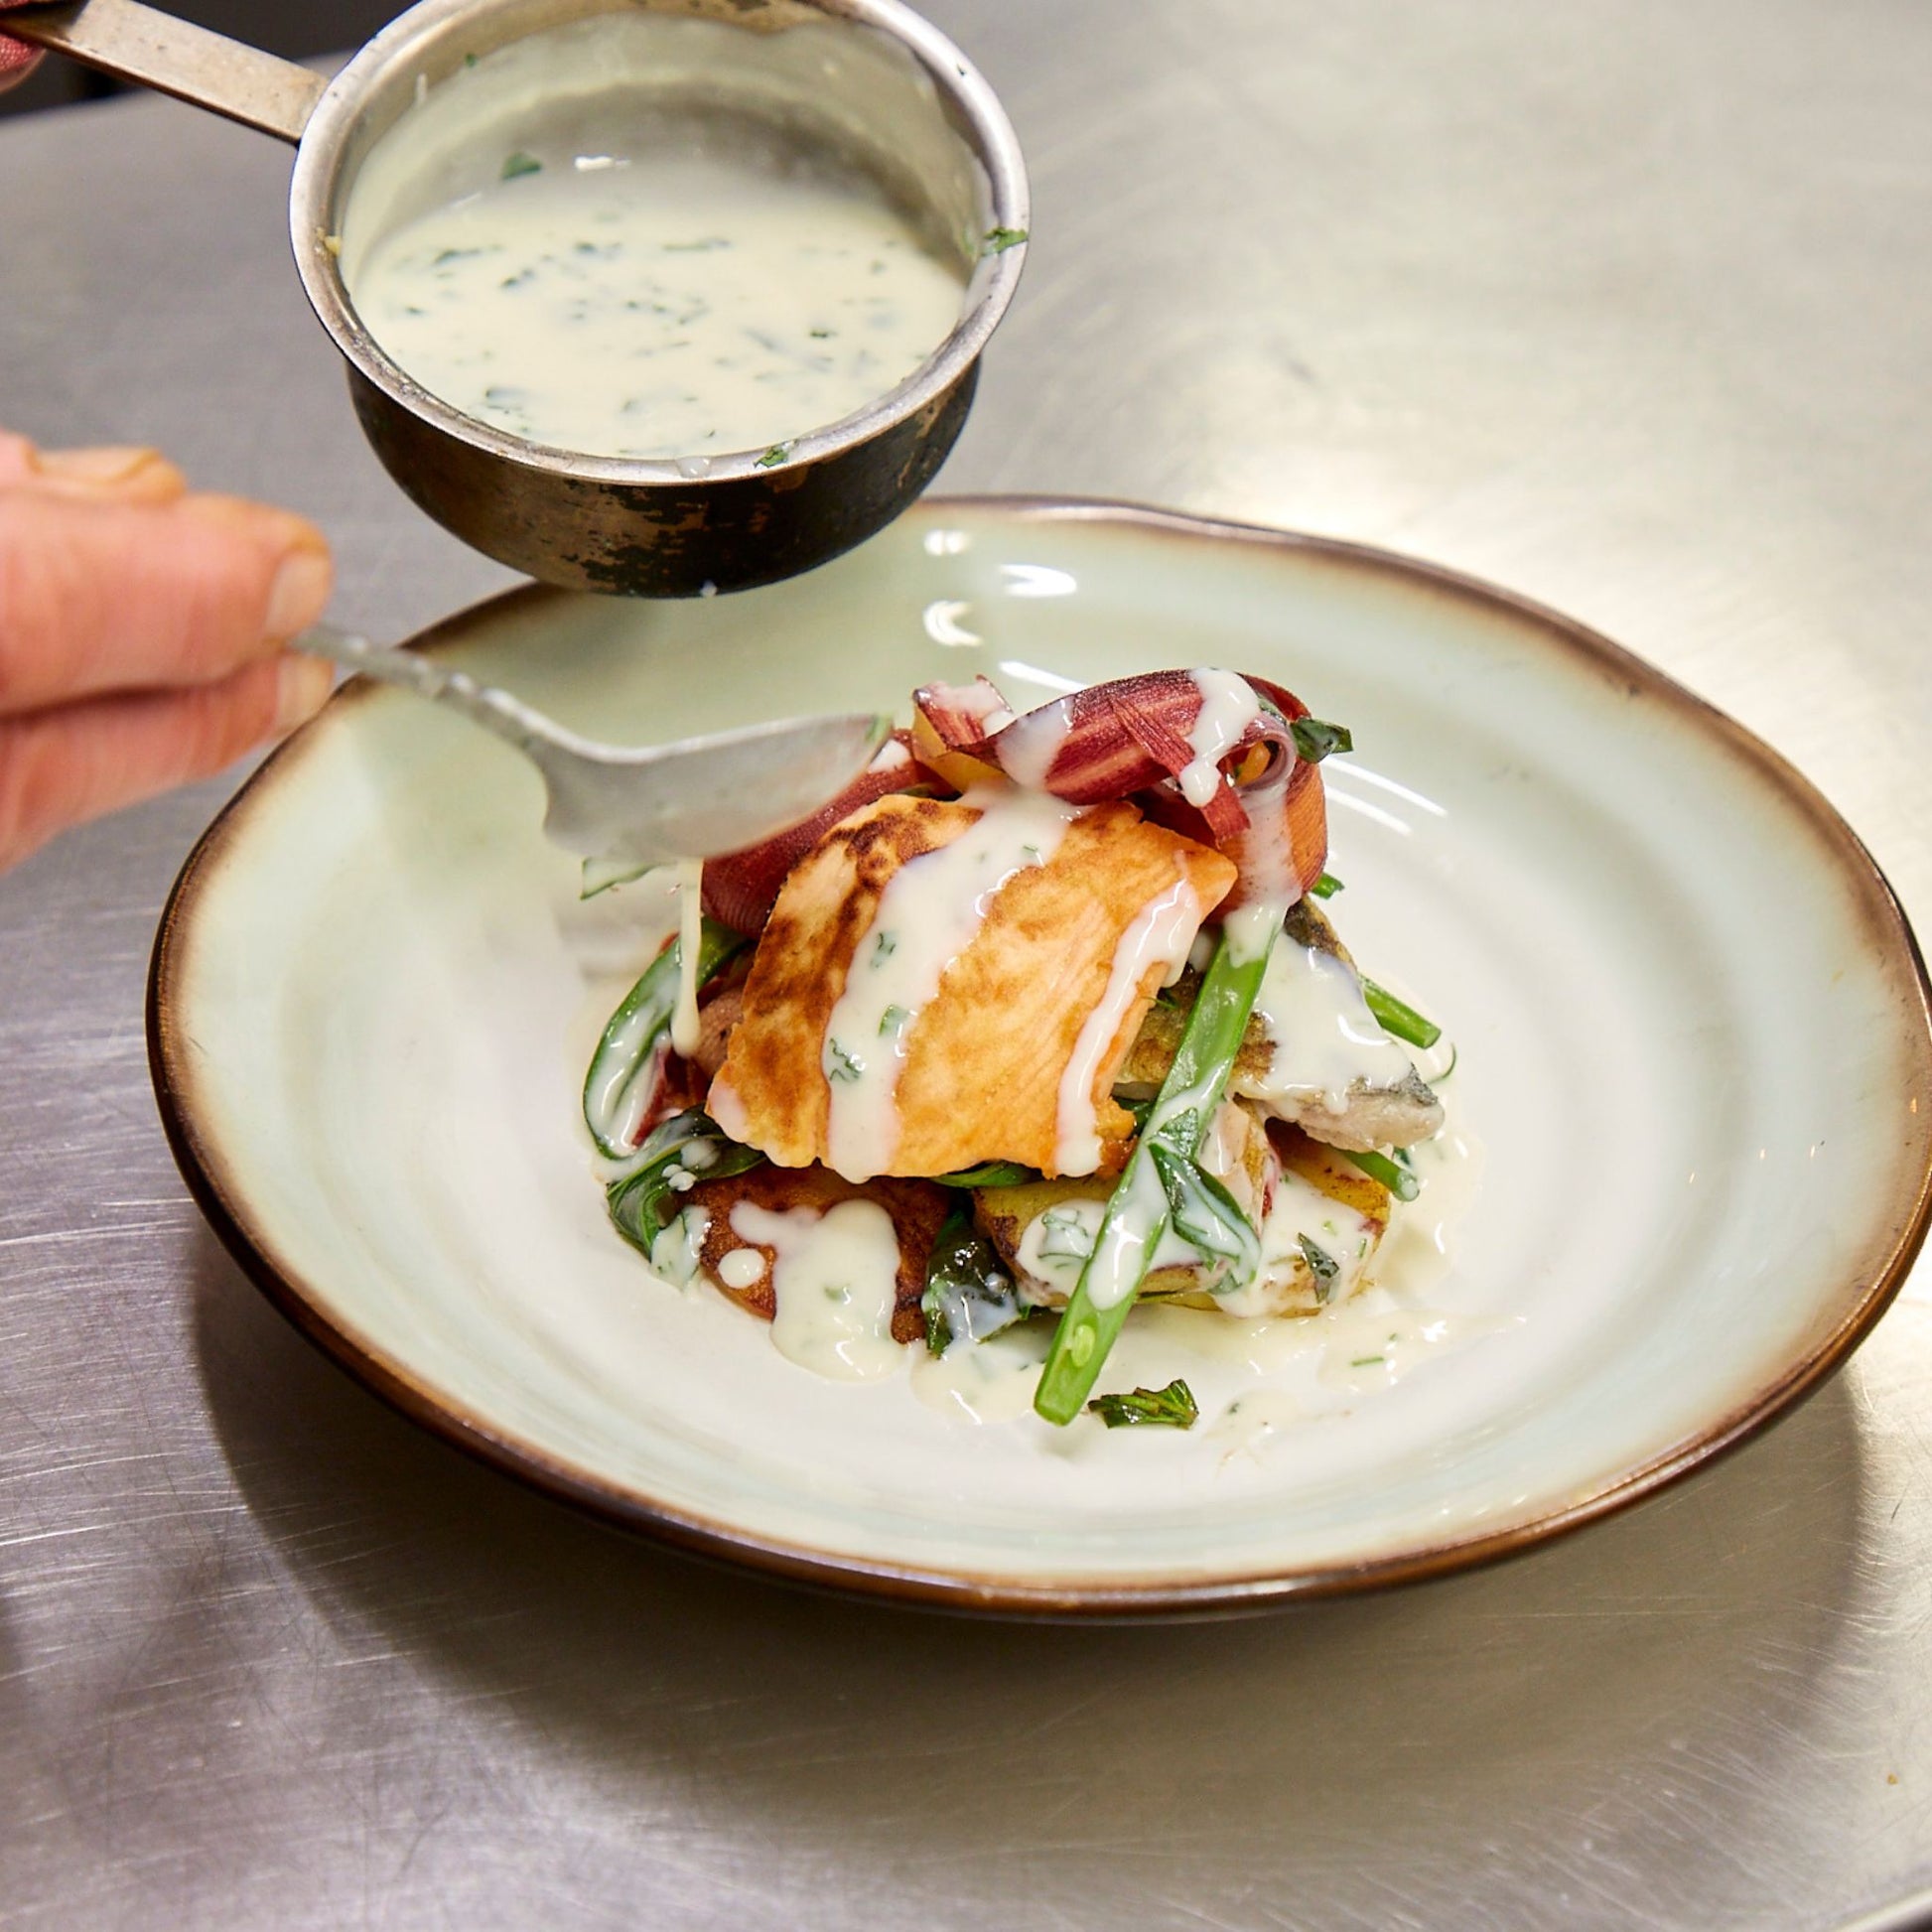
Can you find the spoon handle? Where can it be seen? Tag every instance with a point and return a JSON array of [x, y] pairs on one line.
[[136, 43], [496, 711]]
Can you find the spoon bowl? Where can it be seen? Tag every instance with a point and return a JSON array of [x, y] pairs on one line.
[[641, 805]]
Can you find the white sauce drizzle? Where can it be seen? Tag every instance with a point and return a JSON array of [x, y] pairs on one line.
[[1162, 933], [686, 1031], [1033, 743], [835, 1276], [1370, 1348], [741, 1268], [928, 914], [1254, 928], [1324, 1039], [1228, 705], [675, 1251], [990, 1381], [661, 306]]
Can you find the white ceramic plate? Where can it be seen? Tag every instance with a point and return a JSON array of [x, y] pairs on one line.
[[1691, 1022]]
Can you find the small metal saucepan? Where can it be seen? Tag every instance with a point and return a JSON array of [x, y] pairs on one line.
[[867, 80]]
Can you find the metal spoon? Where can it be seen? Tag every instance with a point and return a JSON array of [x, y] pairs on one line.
[[645, 804]]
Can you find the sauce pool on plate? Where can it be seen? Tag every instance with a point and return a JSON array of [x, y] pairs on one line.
[[657, 306]]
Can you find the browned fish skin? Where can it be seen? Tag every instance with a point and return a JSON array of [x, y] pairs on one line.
[[983, 1061], [823, 912], [916, 1208]]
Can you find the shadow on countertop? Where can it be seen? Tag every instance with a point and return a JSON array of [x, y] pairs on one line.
[[1595, 1678]]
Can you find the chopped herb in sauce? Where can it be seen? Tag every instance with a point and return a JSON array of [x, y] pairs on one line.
[[841, 1065], [1321, 1265], [1173, 1407], [775, 455], [521, 163], [1066, 1237], [998, 241]]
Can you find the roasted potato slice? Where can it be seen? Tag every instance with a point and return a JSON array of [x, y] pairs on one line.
[[916, 1208]]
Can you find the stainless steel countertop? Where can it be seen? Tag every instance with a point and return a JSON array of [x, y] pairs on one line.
[[1623, 303]]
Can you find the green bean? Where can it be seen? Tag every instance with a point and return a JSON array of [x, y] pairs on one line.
[[1397, 1017], [1137, 1212]]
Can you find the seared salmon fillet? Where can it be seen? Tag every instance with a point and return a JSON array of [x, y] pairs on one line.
[[1015, 946]]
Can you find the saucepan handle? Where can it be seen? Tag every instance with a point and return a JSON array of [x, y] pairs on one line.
[[137, 42]]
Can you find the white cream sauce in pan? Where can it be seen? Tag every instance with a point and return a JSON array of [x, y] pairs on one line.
[[659, 305]]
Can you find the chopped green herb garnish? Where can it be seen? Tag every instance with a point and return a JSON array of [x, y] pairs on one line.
[[839, 1064], [819, 334], [521, 163], [689, 1148], [1316, 738], [1397, 1017], [1174, 1406], [1393, 1174], [893, 1019], [1068, 1237], [883, 945], [988, 1173], [1321, 1265], [1367, 1361], [1327, 886], [998, 241], [1205, 1215], [775, 455], [968, 1293]]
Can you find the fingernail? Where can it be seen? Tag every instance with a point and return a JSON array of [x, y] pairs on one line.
[[302, 685], [101, 468], [300, 591]]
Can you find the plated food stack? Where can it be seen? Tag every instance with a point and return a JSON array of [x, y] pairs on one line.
[[1039, 1018]]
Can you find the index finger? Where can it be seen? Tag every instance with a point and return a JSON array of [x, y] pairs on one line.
[[124, 472], [100, 597]]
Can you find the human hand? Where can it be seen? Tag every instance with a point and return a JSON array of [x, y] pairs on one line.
[[17, 59], [140, 629]]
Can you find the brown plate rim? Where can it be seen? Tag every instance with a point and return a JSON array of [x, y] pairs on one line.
[[306, 1308]]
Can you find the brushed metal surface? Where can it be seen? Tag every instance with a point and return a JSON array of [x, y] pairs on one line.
[[1622, 303]]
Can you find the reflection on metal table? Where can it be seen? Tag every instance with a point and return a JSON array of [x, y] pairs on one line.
[[1615, 306]]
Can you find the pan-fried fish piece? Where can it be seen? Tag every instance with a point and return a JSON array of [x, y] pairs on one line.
[[917, 1209], [1313, 1053], [949, 982]]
